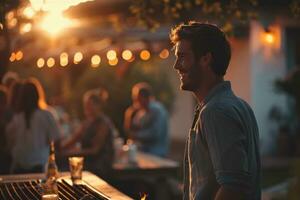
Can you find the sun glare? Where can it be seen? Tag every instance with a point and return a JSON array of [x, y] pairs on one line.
[[54, 22]]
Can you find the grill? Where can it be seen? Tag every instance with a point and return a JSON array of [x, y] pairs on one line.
[[32, 190]]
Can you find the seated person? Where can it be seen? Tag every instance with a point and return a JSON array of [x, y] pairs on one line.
[[95, 136], [146, 121]]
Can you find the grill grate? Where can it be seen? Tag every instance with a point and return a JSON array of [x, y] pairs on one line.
[[32, 190]]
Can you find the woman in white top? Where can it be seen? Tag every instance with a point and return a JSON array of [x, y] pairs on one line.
[[32, 130]]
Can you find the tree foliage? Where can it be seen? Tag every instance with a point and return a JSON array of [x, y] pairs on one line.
[[152, 13]]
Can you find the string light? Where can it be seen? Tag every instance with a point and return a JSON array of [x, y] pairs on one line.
[[19, 55], [127, 54], [40, 62], [164, 54], [111, 55], [28, 12], [78, 57], [64, 59], [95, 60], [145, 55], [50, 62], [26, 28], [12, 57], [113, 62]]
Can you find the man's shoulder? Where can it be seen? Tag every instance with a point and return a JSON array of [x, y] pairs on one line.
[[227, 106]]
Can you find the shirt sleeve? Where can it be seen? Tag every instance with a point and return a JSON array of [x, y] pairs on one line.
[[226, 141]]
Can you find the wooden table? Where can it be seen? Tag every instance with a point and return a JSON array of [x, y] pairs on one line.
[[147, 165], [150, 172], [89, 178]]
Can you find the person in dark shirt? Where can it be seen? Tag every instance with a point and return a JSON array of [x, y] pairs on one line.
[[94, 138], [222, 159]]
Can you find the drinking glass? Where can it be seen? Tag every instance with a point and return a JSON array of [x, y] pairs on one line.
[[76, 166]]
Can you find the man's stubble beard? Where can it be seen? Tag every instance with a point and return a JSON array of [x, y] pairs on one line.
[[194, 80]]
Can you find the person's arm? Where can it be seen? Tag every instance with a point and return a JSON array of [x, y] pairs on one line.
[[97, 143], [128, 117], [76, 136], [226, 141]]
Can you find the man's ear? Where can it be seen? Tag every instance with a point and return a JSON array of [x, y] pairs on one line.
[[206, 60]]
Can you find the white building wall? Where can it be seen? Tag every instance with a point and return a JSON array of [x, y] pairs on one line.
[[267, 62], [239, 68]]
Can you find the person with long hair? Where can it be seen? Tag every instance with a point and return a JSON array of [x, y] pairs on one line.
[[32, 129]]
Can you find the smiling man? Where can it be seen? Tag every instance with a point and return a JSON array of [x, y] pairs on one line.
[[222, 159]]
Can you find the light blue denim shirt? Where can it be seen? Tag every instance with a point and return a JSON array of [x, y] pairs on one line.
[[222, 148], [154, 133]]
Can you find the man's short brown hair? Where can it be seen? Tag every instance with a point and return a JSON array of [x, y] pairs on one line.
[[205, 38]]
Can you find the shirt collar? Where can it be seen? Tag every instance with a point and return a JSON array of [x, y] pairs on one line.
[[220, 87]]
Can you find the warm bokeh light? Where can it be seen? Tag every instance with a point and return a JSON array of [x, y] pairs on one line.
[[55, 22], [11, 20], [19, 55], [64, 59], [111, 55], [50, 62], [269, 37], [1, 26], [12, 57], [78, 57], [95, 61], [52, 5], [10, 15], [37, 5], [12, 23], [145, 55], [113, 62], [126, 54], [164, 54], [40, 62], [28, 12], [26, 28], [132, 59]]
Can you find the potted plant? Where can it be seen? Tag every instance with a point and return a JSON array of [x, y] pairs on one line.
[[290, 85]]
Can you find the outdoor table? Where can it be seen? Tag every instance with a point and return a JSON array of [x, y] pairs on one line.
[[149, 170], [26, 186], [146, 166]]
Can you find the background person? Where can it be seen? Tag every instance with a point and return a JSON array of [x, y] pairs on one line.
[[95, 135], [31, 130], [146, 121]]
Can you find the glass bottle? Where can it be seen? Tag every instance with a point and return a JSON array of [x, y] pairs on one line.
[[50, 186], [51, 169]]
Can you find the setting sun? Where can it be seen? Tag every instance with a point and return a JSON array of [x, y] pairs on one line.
[[54, 22]]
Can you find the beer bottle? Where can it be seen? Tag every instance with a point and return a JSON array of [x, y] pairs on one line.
[[51, 170], [50, 186]]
